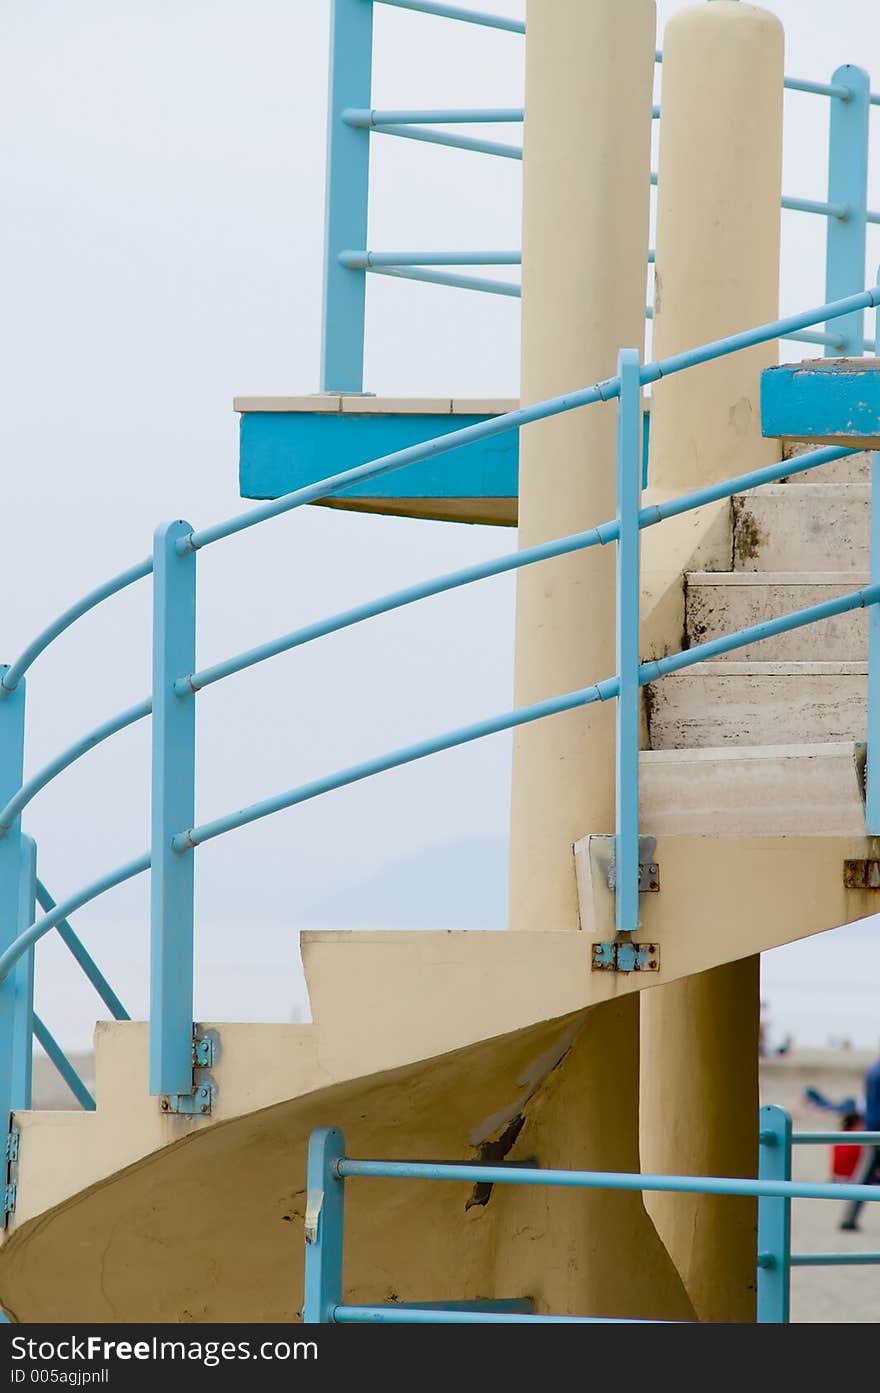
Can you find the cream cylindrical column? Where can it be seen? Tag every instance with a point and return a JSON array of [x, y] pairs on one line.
[[717, 271], [589, 85], [586, 192]]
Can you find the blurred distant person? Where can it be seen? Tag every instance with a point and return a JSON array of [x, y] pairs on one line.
[[846, 1156], [868, 1171]]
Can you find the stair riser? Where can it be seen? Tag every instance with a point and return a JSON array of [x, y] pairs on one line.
[[715, 610], [800, 529], [853, 469], [785, 793], [696, 710]]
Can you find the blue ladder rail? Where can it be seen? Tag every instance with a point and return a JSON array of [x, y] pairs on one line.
[[329, 1169]]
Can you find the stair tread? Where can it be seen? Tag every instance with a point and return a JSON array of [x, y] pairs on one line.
[[857, 490], [757, 668], [851, 579], [738, 754]]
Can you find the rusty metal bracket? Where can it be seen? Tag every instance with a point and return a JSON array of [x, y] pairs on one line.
[[649, 868], [861, 875], [198, 1103], [626, 957]]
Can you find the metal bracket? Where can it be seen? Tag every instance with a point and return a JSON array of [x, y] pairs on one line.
[[198, 1103], [626, 957], [314, 1202], [649, 869], [861, 875], [10, 1188], [203, 1052]]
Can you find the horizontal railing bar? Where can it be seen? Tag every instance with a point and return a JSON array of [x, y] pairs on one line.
[[512, 420], [46, 1039], [367, 260], [455, 142], [369, 118], [835, 1138], [527, 556], [602, 1180], [815, 336], [74, 943], [487, 21], [403, 1315], [834, 1260], [872, 217], [38, 930], [809, 205], [67, 757], [488, 287], [817, 89], [524, 715], [363, 118], [16, 670]]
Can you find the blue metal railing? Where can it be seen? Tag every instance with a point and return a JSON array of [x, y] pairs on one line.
[[352, 120], [329, 1168], [176, 680]]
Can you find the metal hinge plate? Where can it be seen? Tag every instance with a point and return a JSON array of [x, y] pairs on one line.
[[203, 1052], [12, 1144], [649, 869], [626, 957], [9, 1195], [198, 1103], [861, 875]]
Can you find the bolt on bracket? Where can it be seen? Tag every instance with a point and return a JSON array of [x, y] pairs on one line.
[[861, 875], [195, 1104], [626, 957]]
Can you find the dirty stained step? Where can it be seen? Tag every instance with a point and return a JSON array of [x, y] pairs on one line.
[[721, 602], [802, 527], [757, 703]]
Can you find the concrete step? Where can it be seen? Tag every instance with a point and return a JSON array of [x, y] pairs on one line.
[[755, 703], [720, 602], [783, 790], [854, 469], [802, 527]]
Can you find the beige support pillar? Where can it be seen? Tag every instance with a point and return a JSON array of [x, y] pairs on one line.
[[589, 75], [717, 272], [589, 80]]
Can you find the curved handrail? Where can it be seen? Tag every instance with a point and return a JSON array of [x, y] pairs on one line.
[[606, 390], [524, 715], [604, 533], [16, 671], [67, 757], [41, 927]]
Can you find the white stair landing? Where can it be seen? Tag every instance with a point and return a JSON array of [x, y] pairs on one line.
[[754, 703], [753, 791]]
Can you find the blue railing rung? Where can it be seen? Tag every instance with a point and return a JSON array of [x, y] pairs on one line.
[[369, 260], [488, 287], [486, 21], [834, 1260], [77, 948], [365, 118], [70, 1076]]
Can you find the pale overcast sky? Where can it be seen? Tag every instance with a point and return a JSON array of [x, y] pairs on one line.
[[162, 217]]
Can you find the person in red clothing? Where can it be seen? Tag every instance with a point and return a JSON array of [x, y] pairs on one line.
[[845, 1156]]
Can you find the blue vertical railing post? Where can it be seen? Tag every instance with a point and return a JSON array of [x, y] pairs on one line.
[[325, 1209], [173, 810], [848, 186], [629, 474], [23, 974], [348, 179], [774, 1219], [872, 768], [12, 708]]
